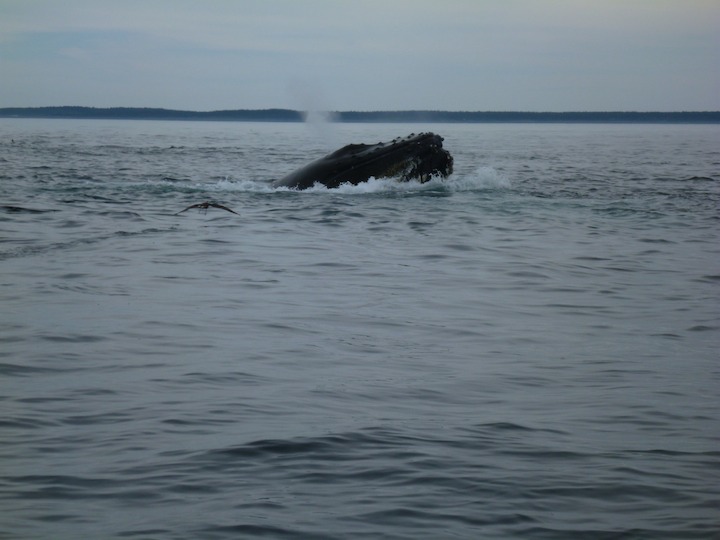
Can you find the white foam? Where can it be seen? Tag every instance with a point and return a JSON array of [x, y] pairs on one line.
[[232, 185], [375, 185], [483, 178]]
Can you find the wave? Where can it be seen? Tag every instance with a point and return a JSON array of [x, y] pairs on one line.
[[30, 250], [481, 179]]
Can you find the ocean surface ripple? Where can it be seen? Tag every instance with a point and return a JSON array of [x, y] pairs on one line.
[[525, 350]]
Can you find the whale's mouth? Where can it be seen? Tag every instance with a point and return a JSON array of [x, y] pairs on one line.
[[415, 157]]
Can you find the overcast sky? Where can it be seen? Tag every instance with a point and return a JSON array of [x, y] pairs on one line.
[[487, 55]]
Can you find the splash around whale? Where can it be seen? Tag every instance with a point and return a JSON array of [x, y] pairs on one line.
[[418, 157], [415, 157]]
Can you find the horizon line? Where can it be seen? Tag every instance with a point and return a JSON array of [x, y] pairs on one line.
[[397, 116], [363, 111]]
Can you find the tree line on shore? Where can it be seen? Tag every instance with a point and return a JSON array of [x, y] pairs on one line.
[[409, 116]]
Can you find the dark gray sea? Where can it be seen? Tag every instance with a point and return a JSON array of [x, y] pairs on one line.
[[527, 350]]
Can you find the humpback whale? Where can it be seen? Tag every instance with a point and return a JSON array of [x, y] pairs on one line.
[[415, 157]]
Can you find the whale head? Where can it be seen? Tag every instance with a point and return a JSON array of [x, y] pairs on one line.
[[415, 157]]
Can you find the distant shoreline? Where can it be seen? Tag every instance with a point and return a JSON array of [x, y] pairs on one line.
[[411, 116]]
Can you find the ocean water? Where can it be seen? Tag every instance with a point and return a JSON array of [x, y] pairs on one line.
[[526, 350]]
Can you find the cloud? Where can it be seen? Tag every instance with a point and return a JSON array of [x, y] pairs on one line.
[[371, 54]]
